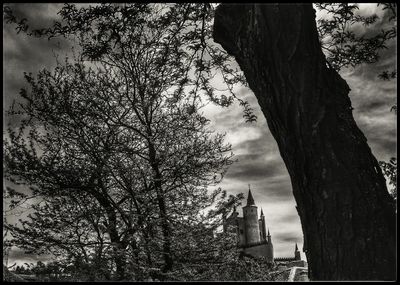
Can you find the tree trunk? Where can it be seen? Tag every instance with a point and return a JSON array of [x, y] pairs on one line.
[[165, 226], [118, 245], [347, 215], [145, 233]]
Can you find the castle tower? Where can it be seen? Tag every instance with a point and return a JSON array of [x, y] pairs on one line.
[[297, 253], [269, 237], [263, 231], [251, 226], [270, 248]]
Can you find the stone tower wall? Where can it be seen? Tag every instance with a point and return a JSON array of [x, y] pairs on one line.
[[261, 229], [270, 252], [251, 225], [257, 250]]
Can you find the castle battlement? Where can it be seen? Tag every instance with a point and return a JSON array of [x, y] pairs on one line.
[[277, 259]]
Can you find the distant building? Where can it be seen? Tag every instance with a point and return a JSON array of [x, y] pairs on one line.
[[292, 261], [253, 237]]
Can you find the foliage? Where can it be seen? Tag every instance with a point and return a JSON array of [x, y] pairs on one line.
[[390, 171], [344, 45], [177, 35], [394, 108], [233, 268], [87, 164], [386, 75]]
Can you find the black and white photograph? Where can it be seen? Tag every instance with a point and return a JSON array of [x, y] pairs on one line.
[[185, 142]]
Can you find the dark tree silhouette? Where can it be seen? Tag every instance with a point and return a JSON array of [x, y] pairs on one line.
[[347, 215]]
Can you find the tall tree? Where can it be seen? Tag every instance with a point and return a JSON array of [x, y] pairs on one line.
[[123, 133], [347, 215]]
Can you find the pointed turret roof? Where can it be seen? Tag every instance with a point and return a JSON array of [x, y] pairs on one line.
[[262, 214], [250, 199], [296, 249], [268, 232]]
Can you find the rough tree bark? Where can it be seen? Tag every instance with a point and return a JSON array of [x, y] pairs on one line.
[[165, 226], [347, 215], [118, 246]]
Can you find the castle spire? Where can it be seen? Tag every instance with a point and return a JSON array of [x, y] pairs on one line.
[[250, 199], [269, 238], [297, 255], [262, 214]]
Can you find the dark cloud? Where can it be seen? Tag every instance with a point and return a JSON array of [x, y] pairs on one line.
[[19, 256], [287, 238], [38, 14], [254, 167], [372, 99], [22, 53], [289, 218], [260, 145], [368, 105]]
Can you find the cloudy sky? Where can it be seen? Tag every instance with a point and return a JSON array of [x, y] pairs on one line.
[[259, 162]]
